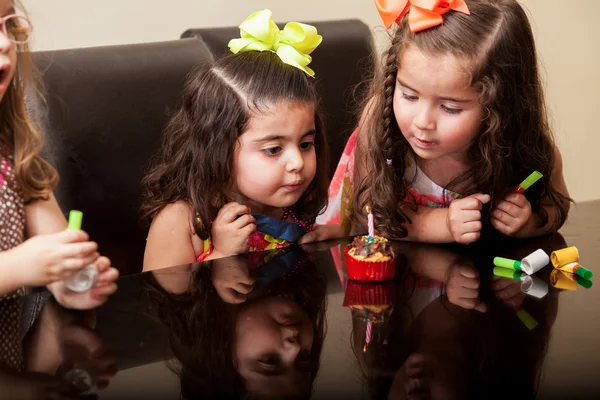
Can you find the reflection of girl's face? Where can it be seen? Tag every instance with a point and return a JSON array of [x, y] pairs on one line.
[[273, 340], [429, 376]]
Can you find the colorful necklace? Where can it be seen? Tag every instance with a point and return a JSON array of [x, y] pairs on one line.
[[306, 226]]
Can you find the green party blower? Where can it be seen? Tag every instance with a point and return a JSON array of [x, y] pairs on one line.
[[85, 278], [526, 184], [508, 273], [507, 263], [75, 218], [526, 318]]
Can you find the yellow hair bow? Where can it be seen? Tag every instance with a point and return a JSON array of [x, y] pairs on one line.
[[293, 44]]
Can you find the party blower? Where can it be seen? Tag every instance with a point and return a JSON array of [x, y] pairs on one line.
[[86, 278], [528, 182]]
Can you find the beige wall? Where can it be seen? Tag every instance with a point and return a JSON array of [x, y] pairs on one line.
[[567, 41]]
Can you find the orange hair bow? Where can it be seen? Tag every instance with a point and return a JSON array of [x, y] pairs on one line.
[[423, 14]]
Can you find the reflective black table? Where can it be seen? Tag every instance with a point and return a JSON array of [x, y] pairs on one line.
[[289, 324]]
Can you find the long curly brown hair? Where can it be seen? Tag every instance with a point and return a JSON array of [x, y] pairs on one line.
[[515, 138], [19, 130], [195, 161]]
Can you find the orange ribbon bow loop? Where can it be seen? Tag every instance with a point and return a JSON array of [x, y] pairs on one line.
[[422, 14]]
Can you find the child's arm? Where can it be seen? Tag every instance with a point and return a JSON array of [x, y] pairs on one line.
[[44, 217], [170, 241], [514, 217]]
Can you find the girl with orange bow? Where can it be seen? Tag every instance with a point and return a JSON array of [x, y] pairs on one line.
[[455, 120]]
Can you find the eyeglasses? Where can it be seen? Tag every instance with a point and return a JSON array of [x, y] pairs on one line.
[[16, 28]]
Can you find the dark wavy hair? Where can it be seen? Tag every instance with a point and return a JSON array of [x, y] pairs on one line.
[[195, 161], [201, 327], [515, 138]]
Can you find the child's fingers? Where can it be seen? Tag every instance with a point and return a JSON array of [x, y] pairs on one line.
[[310, 237], [71, 265], [107, 276], [482, 198], [468, 272], [481, 307], [242, 288], [467, 293], [72, 236], [515, 301], [500, 283], [469, 283], [248, 229], [474, 226], [470, 237], [500, 226], [234, 297], [77, 250], [470, 216], [467, 303], [231, 213], [509, 291], [517, 199], [508, 208], [103, 291], [475, 202], [246, 280], [242, 221], [102, 264], [83, 337]]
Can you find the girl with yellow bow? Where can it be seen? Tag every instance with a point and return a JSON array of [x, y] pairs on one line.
[[242, 165]]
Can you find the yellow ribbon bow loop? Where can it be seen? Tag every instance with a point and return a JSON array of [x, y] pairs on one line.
[[273, 242], [293, 45], [258, 32], [302, 37], [422, 14], [296, 42]]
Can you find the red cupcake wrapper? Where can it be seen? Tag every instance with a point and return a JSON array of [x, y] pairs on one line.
[[369, 271], [361, 294]]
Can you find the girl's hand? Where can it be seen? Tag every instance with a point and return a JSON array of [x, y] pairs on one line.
[[231, 229], [231, 279], [508, 291], [81, 346], [53, 257], [512, 214], [462, 287], [96, 296], [464, 218], [322, 232]]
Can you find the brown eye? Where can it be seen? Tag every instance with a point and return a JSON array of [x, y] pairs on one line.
[[271, 151]]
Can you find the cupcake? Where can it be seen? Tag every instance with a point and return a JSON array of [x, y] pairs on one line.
[[370, 259], [376, 297]]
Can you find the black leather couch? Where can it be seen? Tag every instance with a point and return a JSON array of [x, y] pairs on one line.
[[106, 108]]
